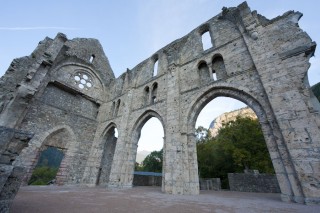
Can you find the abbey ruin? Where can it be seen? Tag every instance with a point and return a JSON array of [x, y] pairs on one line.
[[65, 95]]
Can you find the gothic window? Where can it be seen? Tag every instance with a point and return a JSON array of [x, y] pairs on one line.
[[218, 68], [204, 72], [154, 93], [155, 67], [146, 95]]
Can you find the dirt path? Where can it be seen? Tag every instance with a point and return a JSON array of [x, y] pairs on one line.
[[146, 199]]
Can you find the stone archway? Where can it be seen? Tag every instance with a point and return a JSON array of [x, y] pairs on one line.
[[125, 154], [60, 137], [283, 167], [136, 133], [109, 144]]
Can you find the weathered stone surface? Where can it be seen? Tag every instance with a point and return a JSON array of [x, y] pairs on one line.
[[65, 94], [244, 182], [146, 180], [210, 184]]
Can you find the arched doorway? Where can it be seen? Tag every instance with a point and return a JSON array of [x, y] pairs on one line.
[[50, 159], [151, 140], [270, 129], [231, 149], [109, 145]]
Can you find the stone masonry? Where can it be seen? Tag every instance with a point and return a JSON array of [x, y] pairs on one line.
[[253, 182], [65, 95]]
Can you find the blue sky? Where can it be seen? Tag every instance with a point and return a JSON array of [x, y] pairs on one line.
[[132, 30]]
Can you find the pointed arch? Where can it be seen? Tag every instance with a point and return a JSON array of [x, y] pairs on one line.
[[38, 144], [109, 142], [269, 127], [154, 92], [218, 67], [204, 73], [135, 133]]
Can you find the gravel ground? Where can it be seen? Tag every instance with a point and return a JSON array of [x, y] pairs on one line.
[[146, 199]]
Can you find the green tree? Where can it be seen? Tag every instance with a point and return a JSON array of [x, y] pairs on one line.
[[239, 145], [153, 162], [243, 140], [202, 134], [42, 175], [138, 167]]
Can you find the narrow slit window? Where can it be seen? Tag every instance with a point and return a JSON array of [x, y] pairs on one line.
[[206, 41], [154, 93], [91, 59], [146, 96], [155, 68], [214, 75]]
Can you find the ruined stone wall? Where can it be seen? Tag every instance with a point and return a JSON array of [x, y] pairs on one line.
[[69, 85], [210, 184], [265, 183], [146, 180]]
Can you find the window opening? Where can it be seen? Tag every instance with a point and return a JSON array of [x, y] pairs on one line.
[[155, 68], [146, 95], [154, 93], [204, 72], [218, 67], [83, 81], [92, 58], [206, 40], [214, 75]]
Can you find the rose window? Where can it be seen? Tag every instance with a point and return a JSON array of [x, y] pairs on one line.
[[83, 81]]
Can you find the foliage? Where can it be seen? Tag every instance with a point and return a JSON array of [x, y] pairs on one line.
[[138, 167], [47, 166], [152, 163], [42, 175], [239, 145], [202, 134]]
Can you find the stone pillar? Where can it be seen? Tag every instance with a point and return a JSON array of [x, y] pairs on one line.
[[121, 174], [179, 165], [280, 53]]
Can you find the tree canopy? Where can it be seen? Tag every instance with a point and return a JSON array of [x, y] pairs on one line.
[[152, 163], [239, 145]]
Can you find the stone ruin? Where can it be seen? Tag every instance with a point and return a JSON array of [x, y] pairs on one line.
[[65, 95]]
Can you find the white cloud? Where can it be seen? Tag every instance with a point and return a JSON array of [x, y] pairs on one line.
[[36, 28]]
